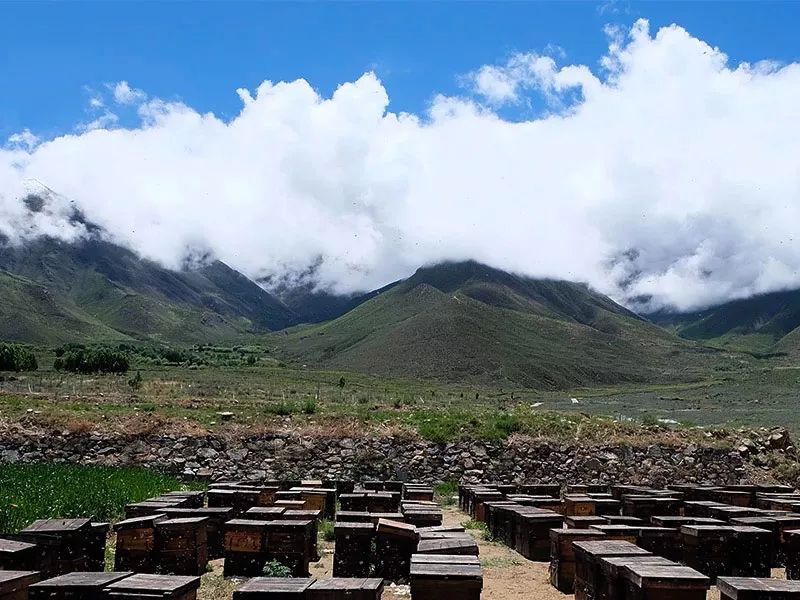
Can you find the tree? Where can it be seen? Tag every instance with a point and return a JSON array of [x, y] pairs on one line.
[[16, 358]]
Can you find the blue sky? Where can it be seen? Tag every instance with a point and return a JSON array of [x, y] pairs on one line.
[[52, 54]]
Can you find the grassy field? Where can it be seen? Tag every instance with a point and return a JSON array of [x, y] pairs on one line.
[[262, 392], [39, 491]]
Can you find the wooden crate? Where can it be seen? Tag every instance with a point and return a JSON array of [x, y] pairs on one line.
[[395, 542], [623, 520], [147, 508], [96, 546], [274, 588], [75, 586], [353, 516], [583, 522], [664, 582], [448, 543], [611, 582], [354, 502], [445, 581], [143, 586], [288, 542], [136, 544], [707, 548], [345, 588], [64, 541], [306, 515], [18, 556], [752, 552], [245, 547], [533, 533], [579, 505], [540, 489], [352, 556], [14, 585], [751, 588], [215, 523], [194, 498], [588, 576], [182, 546], [661, 541], [562, 555]]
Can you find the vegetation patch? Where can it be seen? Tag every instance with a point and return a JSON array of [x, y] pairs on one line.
[[41, 491]]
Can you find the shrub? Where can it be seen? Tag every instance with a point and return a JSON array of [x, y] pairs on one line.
[[309, 406], [93, 360], [276, 568], [16, 358], [326, 530]]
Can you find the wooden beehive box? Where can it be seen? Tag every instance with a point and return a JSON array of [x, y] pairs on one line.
[[622, 520], [707, 548], [136, 544], [606, 506], [562, 555], [265, 513], [16, 555], [611, 582], [395, 542], [354, 502], [752, 551], [96, 546], [752, 588], [583, 522], [274, 588], [14, 585], [664, 582], [352, 556], [532, 532], [75, 586], [541, 489], [220, 498], [146, 508], [352, 516], [382, 501], [306, 515], [445, 581], [182, 546], [588, 575], [245, 547], [215, 522], [67, 540], [345, 588], [661, 541], [142, 586], [194, 498], [288, 542]]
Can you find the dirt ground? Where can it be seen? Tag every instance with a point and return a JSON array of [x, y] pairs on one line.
[[506, 574]]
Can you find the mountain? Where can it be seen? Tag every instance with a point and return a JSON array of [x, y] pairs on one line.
[[52, 291], [310, 305], [763, 323], [469, 322]]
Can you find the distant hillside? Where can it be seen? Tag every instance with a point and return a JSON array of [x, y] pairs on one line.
[[313, 306], [761, 323], [469, 322], [52, 291]]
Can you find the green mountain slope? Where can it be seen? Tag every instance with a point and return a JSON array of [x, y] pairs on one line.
[[468, 322], [760, 324], [108, 292]]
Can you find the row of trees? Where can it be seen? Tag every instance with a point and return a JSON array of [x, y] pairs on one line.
[[91, 360], [16, 358]]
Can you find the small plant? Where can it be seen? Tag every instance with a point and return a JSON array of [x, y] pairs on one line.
[[276, 568], [282, 409], [326, 530], [342, 382], [135, 382], [309, 406], [445, 492]]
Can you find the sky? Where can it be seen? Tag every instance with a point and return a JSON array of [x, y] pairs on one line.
[[648, 149]]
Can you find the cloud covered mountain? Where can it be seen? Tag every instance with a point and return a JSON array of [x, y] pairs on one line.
[[665, 177]]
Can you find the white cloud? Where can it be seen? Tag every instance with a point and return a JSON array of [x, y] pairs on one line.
[[673, 174], [23, 139], [125, 94], [104, 121]]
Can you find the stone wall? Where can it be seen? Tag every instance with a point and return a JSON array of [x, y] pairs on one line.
[[291, 456]]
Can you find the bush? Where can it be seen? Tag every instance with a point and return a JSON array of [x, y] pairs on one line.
[[327, 530], [276, 568], [93, 360], [16, 358], [309, 406]]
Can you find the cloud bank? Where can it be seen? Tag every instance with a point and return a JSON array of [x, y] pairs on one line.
[[665, 176]]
